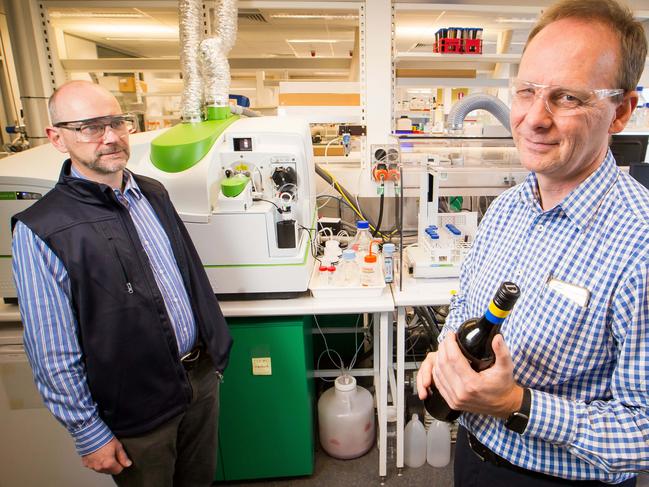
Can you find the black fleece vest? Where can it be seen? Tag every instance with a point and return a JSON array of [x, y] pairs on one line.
[[129, 347]]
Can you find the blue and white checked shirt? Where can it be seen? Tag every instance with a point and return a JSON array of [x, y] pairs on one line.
[[50, 327], [587, 367]]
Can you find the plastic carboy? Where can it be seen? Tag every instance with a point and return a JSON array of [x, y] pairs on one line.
[[414, 443], [346, 419], [438, 444], [361, 242]]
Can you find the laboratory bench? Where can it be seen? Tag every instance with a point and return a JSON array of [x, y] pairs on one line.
[[381, 307]]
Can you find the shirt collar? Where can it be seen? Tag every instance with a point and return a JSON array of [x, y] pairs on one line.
[[130, 185], [582, 203]]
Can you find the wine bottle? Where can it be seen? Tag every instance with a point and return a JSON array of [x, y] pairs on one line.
[[474, 338]]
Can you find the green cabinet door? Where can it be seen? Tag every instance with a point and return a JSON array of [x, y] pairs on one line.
[[266, 424]]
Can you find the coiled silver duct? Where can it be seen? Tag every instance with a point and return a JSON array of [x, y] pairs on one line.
[[190, 15], [214, 53], [478, 101]]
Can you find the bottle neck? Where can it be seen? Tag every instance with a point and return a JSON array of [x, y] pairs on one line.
[[494, 315]]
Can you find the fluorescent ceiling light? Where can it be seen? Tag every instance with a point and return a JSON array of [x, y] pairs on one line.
[[315, 16], [316, 41], [133, 29], [142, 39], [95, 15], [416, 31], [503, 20]]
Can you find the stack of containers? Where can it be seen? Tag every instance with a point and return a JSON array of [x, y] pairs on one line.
[[458, 40]]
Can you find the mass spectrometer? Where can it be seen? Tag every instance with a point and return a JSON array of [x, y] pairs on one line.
[[244, 187]]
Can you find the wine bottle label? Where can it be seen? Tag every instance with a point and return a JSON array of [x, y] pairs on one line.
[[496, 315]]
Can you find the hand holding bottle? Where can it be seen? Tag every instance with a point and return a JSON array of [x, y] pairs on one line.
[[454, 379], [492, 391]]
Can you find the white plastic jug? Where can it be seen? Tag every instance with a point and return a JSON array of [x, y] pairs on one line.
[[346, 419], [414, 443], [438, 448]]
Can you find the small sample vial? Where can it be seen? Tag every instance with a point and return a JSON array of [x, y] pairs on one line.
[[331, 270], [388, 262]]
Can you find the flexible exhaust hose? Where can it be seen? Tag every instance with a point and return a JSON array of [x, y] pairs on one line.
[[478, 101], [190, 15], [214, 54]]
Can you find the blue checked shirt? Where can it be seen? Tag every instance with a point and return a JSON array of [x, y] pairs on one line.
[[50, 327], [587, 366]]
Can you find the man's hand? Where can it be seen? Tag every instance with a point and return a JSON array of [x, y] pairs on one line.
[[110, 458], [425, 375], [492, 392]]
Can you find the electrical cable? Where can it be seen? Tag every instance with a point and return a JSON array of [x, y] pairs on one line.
[[377, 230], [329, 178], [261, 178], [312, 241], [327, 148], [268, 201], [429, 325]]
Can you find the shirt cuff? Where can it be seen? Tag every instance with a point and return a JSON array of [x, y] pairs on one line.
[[552, 419], [91, 437]]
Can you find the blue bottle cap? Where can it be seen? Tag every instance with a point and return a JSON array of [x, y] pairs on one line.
[[388, 248], [453, 229], [362, 225], [349, 254]]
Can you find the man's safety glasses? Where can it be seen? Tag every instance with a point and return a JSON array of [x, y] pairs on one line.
[[93, 129], [559, 100]]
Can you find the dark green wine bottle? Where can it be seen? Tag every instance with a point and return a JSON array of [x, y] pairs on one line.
[[474, 338]]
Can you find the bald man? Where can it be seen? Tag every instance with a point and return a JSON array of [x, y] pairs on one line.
[[125, 337]]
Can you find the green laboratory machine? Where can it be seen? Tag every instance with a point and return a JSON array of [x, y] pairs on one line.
[[266, 424]]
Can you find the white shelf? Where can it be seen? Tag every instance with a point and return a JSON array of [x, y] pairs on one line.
[[477, 9], [454, 82], [414, 113], [436, 57]]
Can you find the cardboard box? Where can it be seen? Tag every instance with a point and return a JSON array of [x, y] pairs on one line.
[[131, 85]]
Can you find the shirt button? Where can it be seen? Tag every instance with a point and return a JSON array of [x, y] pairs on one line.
[[539, 228]]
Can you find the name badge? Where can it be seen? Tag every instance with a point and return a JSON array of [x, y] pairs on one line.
[[577, 294]]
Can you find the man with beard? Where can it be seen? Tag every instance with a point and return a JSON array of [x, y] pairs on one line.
[[125, 337]]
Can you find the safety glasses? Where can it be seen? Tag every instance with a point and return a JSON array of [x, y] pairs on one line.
[[559, 100], [94, 129]]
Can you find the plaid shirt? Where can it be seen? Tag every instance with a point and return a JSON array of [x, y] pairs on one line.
[[586, 366]]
